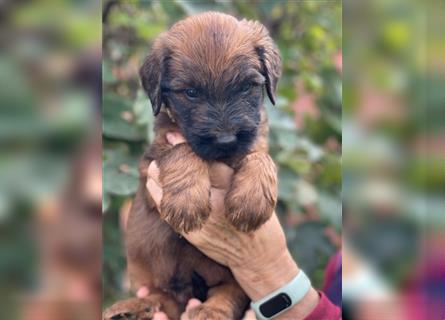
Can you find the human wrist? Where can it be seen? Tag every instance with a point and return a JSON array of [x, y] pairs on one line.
[[259, 278], [303, 308]]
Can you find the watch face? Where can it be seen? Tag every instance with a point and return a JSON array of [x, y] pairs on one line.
[[275, 305]]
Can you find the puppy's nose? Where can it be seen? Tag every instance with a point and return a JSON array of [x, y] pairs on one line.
[[226, 139]]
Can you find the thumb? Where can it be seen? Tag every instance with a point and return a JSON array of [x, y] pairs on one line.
[[175, 138]]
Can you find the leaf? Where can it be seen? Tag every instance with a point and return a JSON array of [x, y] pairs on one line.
[[195, 7], [313, 151], [331, 175], [306, 193], [311, 248], [110, 151], [148, 31], [330, 209], [143, 114], [266, 7], [298, 164], [120, 173], [119, 119], [334, 120], [287, 181], [105, 202], [287, 139], [107, 75], [278, 119]]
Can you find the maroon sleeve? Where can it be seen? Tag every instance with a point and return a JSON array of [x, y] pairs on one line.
[[325, 310]]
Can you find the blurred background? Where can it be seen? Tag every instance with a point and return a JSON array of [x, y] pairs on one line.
[[50, 160], [305, 136], [393, 160], [392, 170]]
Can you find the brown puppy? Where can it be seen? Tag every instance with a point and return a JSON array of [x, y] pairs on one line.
[[206, 78]]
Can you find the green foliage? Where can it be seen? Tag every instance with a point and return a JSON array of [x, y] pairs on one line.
[[305, 135]]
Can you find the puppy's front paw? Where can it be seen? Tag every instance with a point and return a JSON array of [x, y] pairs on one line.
[[184, 177], [135, 308], [253, 194], [143, 308], [204, 312], [182, 212]]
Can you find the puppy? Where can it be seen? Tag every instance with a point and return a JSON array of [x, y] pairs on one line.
[[206, 78]]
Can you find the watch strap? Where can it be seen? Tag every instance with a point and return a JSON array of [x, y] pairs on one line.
[[283, 298]]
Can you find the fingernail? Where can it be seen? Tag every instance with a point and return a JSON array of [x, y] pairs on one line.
[[142, 292], [160, 316], [250, 315], [151, 167], [149, 184], [170, 136], [193, 303]]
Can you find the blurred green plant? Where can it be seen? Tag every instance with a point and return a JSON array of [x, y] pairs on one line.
[[47, 110], [305, 135], [393, 128]]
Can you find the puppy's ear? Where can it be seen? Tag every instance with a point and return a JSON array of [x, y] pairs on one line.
[[271, 65], [268, 55], [151, 73]]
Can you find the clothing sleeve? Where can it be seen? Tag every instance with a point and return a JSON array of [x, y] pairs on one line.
[[325, 310]]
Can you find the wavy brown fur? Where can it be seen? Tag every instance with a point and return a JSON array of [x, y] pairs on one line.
[[219, 55]]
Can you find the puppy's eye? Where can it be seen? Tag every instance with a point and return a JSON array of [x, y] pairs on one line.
[[245, 88], [192, 93]]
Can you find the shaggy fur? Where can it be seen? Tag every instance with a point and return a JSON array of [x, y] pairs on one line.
[[205, 78]]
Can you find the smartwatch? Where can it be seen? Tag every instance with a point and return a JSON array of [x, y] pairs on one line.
[[283, 298]]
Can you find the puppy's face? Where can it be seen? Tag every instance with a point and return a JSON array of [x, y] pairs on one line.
[[218, 112], [210, 70]]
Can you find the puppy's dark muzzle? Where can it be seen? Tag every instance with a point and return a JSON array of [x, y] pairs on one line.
[[226, 140]]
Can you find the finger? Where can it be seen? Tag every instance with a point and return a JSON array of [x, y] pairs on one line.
[[153, 172], [175, 138], [193, 303], [220, 175], [160, 316], [142, 292], [155, 191], [249, 315]]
